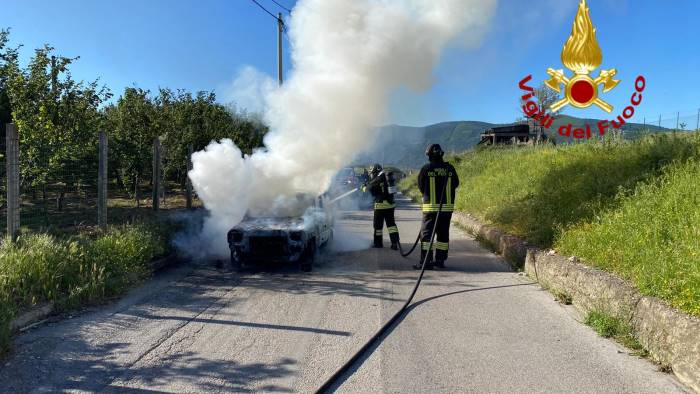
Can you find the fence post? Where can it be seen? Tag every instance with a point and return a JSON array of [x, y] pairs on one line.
[[12, 162], [102, 182], [156, 173], [187, 177], [161, 179]]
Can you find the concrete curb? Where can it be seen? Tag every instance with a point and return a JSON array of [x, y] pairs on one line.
[[40, 313], [671, 336], [512, 248]]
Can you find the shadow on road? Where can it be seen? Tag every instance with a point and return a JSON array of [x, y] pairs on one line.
[[401, 318], [204, 375], [244, 324]]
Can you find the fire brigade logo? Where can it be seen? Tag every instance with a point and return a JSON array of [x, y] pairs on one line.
[[581, 54]]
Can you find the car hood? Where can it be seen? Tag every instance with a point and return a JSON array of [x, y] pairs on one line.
[[269, 223]]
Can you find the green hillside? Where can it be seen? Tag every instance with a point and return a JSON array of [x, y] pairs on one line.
[[403, 146]]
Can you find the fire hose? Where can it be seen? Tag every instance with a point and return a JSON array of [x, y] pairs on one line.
[[384, 328], [343, 195], [400, 248]]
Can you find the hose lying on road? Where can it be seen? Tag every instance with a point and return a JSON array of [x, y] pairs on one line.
[[412, 247], [383, 329]]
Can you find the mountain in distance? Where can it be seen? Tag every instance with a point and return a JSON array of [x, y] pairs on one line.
[[404, 146]]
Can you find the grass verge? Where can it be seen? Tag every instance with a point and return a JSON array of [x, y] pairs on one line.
[[76, 270], [608, 326], [628, 207], [409, 187], [652, 239], [537, 193]]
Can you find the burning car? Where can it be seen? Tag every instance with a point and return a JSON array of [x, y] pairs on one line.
[[283, 238]]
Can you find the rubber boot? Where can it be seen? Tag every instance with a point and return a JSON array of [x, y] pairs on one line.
[[378, 242], [428, 262], [394, 241]]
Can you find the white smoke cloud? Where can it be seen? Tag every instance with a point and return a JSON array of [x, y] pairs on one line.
[[348, 57], [249, 89]]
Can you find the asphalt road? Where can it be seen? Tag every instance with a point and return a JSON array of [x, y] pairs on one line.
[[476, 327]]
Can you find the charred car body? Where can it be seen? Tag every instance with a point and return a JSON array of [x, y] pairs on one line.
[[285, 239]]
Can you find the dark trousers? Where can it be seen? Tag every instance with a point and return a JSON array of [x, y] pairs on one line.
[[441, 244], [380, 217]]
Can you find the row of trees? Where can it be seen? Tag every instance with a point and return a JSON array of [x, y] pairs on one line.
[[58, 119]]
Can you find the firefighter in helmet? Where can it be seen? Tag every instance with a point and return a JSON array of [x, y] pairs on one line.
[[381, 186], [438, 182]]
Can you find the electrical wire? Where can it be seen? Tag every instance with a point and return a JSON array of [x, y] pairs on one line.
[[281, 6], [284, 25], [265, 9], [348, 364]]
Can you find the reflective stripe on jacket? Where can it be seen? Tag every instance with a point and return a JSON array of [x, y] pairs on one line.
[[438, 178], [384, 205]]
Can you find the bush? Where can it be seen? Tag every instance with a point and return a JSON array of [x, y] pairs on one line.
[[409, 187], [75, 270]]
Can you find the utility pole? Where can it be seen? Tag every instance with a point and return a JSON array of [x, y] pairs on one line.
[[678, 117], [280, 29], [697, 124]]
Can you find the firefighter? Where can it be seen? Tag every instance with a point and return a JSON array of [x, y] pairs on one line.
[[381, 187], [437, 179]]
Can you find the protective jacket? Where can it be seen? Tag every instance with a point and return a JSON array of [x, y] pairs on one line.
[[434, 177], [379, 188]]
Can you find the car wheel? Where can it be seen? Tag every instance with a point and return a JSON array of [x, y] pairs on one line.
[[235, 262]]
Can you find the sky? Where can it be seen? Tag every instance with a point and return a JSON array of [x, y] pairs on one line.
[[204, 45]]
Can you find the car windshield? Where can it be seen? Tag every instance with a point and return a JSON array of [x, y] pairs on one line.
[[345, 173]]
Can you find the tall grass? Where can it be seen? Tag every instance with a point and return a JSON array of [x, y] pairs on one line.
[[75, 270], [652, 239], [537, 193]]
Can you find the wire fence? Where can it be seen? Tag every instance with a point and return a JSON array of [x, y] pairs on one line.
[[678, 121], [66, 197]]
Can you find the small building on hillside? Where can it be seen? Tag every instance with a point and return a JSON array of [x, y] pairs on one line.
[[516, 134]]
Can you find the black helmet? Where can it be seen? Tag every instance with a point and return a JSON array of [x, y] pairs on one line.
[[434, 150], [376, 168]]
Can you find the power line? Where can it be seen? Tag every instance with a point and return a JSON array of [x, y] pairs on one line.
[[265, 9], [281, 6]]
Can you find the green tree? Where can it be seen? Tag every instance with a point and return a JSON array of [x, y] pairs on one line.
[[57, 120], [132, 128], [8, 56], [198, 120]]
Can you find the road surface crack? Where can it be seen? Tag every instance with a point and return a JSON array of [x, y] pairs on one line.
[[170, 333]]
